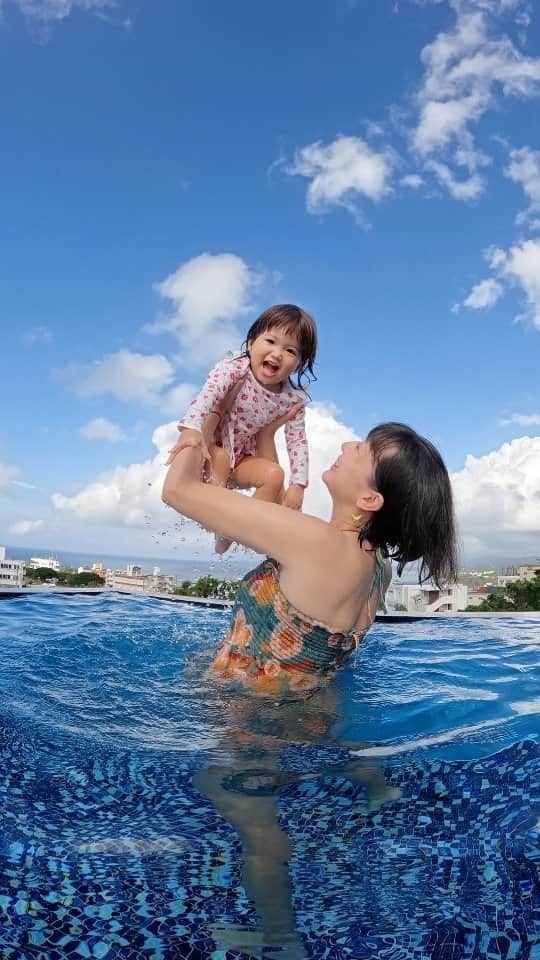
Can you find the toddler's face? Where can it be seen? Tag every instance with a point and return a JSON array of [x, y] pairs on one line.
[[274, 356]]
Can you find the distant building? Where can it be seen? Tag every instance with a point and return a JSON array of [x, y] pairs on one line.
[[140, 583], [99, 569], [11, 571], [426, 598], [505, 579], [120, 580], [51, 562], [133, 570], [527, 571]]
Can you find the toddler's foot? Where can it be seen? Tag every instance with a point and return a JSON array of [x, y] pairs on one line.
[[222, 545]]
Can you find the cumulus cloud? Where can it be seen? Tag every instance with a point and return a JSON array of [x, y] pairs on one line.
[[102, 429], [522, 420], [412, 180], [128, 376], [41, 15], [207, 296], [484, 294], [129, 496], [341, 172], [520, 266], [524, 168], [23, 527], [177, 400], [466, 70], [49, 10], [8, 474], [498, 500]]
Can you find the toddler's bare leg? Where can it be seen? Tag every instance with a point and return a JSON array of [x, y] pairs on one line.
[[265, 475], [221, 468], [267, 478]]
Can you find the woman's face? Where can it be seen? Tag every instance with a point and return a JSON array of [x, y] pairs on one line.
[[352, 473]]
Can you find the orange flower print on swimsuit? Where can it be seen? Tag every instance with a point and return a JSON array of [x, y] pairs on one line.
[[263, 589], [284, 644], [222, 659], [241, 632], [272, 668]]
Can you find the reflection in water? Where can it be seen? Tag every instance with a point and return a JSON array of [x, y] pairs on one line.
[[245, 792]]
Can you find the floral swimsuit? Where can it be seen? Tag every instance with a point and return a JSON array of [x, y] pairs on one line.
[[274, 649]]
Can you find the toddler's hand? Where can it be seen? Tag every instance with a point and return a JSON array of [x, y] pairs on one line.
[[294, 497], [189, 438]]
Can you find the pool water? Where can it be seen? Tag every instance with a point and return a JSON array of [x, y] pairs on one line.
[[146, 812]]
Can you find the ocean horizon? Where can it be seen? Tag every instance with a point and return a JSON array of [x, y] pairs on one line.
[[226, 568]]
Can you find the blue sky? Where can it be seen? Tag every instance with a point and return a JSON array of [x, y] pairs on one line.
[[170, 169]]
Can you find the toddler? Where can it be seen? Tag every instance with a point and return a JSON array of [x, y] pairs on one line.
[[280, 343]]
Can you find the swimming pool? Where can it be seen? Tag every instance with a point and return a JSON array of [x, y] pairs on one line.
[[408, 794]]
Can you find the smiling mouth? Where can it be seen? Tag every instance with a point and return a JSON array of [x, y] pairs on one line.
[[270, 368]]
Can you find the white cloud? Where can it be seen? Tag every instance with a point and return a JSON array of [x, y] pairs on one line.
[[128, 496], [412, 180], [498, 499], [466, 69], [177, 400], [524, 168], [102, 429], [50, 10], [522, 419], [124, 496], [484, 294], [128, 376], [342, 171], [8, 474], [22, 527], [208, 295], [520, 266]]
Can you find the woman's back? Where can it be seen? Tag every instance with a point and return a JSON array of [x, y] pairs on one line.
[[276, 646]]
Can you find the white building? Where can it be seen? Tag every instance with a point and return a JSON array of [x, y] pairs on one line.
[[426, 598], [11, 571], [51, 562], [143, 583], [527, 571], [133, 570]]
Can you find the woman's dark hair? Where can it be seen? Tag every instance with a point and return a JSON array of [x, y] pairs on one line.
[[297, 323], [417, 518]]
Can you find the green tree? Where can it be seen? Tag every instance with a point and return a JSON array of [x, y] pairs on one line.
[[205, 587], [522, 595], [185, 588], [85, 579], [41, 574]]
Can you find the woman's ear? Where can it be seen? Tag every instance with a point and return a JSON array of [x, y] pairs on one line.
[[370, 502]]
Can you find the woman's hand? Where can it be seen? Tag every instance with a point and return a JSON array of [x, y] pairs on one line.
[[271, 428]]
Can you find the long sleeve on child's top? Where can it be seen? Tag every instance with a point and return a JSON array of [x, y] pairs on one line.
[[254, 407], [219, 381]]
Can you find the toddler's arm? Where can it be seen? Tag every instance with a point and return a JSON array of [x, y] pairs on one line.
[[220, 380], [297, 449]]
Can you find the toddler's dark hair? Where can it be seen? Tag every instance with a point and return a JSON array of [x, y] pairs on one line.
[[296, 322]]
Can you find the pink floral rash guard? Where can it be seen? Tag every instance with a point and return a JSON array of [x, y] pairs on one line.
[[254, 407]]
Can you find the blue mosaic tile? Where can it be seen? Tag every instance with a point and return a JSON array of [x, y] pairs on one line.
[[116, 856]]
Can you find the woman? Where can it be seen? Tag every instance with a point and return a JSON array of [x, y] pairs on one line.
[[298, 616]]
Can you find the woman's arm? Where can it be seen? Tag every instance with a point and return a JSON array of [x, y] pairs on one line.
[[267, 528]]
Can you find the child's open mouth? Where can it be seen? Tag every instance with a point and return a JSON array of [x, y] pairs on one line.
[[270, 368]]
